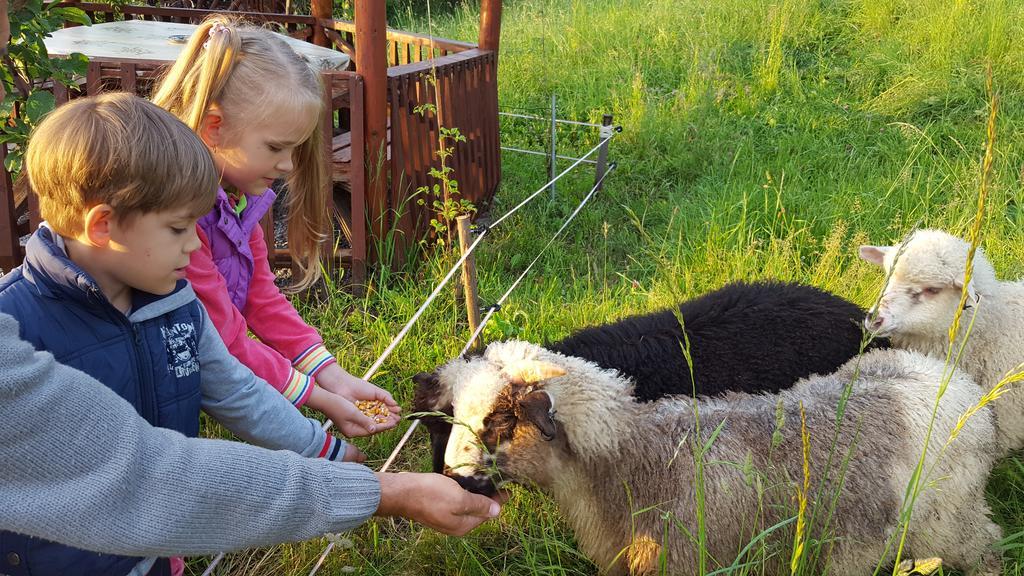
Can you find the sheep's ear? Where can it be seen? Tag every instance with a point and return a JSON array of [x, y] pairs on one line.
[[972, 292], [429, 395], [874, 254], [531, 371], [538, 409]]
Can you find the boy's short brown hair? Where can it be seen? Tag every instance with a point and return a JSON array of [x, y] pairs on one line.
[[121, 150]]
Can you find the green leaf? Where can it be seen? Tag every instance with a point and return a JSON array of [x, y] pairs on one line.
[[13, 161], [7, 105], [76, 15], [39, 104]]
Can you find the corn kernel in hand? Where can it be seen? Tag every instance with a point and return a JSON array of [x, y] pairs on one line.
[[374, 409]]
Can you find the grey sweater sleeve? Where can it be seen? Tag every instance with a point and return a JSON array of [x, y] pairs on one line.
[[82, 468], [250, 407]]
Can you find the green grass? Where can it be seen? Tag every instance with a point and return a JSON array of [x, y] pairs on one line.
[[762, 139]]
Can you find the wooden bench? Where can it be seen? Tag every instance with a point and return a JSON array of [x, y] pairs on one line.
[[341, 155]]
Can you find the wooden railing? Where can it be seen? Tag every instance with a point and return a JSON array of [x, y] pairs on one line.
[[295, 25], [466, 81], [467, 85], [403, 47]]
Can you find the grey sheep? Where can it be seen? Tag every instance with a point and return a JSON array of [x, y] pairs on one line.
[[529, 415]]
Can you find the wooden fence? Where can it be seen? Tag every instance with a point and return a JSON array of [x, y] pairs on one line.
[[467, 86]]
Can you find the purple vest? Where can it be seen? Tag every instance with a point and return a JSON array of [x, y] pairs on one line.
[[229, 240]]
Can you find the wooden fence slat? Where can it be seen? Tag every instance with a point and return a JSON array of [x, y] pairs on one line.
[[358, 185], [93, 75], [472, 122], [401, 188], [424, 155], [482, 140], [326, 136], [10, 247], [128, 78]]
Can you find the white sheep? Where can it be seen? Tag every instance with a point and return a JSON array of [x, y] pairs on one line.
[[921, 298], [563, 424]]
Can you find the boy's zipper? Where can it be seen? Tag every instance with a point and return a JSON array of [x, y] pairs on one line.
[[143, 380], [147, 392]]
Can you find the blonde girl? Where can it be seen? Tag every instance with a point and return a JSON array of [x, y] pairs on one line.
[[257, 105]]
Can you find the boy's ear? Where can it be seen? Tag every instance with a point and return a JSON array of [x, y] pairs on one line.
[[210, 128], [97, 225]]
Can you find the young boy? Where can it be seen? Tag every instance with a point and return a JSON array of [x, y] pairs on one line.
[[121, 184]]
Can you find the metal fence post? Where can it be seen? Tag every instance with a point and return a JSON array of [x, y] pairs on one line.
[[602, 154], [553, 159]]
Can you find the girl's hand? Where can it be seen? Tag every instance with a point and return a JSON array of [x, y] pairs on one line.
[[336, 380], [346, 417]]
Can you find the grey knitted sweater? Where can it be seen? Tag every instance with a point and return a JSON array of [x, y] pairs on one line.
[[81, 467]]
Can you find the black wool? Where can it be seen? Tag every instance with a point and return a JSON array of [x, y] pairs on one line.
[[757, 337]]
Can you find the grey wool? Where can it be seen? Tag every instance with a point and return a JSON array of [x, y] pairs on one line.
[[622, 472], [81, 467]]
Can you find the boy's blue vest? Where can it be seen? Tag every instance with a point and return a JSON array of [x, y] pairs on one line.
[[153, 364]]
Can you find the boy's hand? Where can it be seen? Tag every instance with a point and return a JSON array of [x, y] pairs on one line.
[[336, 380], [435, 501], [353, 454]]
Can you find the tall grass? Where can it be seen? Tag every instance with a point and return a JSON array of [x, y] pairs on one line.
[[762, 138]]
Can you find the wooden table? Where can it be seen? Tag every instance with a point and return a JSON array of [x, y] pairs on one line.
[[147, 42]]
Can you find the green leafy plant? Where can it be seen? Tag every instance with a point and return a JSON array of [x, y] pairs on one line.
[[443, 195], [28, 73]]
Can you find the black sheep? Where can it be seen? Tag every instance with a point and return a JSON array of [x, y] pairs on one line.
[[749, 337], [759, 337]]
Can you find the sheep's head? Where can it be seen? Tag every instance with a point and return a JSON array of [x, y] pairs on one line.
[[503, 425], [926, 282]]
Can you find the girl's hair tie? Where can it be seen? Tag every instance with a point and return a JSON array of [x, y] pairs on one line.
[[215, 30]]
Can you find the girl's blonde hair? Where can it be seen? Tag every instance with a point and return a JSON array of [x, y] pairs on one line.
[[251, 74]]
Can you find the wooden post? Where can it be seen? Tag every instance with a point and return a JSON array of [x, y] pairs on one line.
[[323, 9], [469, 278], [371, 63], [358, 190], [490, 24], [10, 246]]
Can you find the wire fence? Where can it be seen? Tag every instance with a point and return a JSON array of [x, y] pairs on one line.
[[606, 136]]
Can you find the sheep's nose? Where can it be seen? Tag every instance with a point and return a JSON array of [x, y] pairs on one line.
[[477, 484]]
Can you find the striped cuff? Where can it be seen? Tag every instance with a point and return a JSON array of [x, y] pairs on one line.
[[298, 388], [313, 360], [334, 449]]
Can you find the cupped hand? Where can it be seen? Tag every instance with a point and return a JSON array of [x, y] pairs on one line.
[[435, 501], [336, 380]]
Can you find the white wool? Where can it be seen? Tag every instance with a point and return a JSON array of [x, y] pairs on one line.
[[917, 308]]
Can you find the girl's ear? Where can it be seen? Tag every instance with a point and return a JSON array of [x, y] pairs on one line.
[[211, 127], [98, 225]]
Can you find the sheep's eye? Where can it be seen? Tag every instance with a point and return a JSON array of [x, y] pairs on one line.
[[932, 290]]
